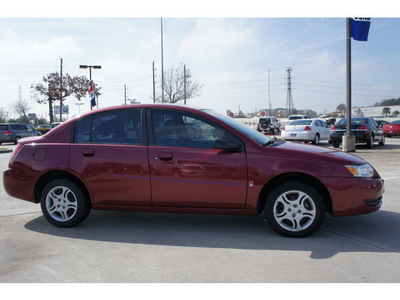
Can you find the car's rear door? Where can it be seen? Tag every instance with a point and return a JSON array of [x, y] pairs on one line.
[[186, 170], [109, 152]]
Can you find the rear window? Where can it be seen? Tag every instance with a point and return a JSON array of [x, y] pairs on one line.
[[354, 121], [301, 122], [3, 127]]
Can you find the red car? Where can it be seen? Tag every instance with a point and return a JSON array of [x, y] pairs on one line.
[[392, 129], [142, 158]]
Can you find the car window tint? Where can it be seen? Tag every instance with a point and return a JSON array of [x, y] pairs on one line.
[[115, 127], [81, 131], [177, 129], [3, 127], [301, 122]]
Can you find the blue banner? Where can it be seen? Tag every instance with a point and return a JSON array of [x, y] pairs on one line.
[[360, 28]]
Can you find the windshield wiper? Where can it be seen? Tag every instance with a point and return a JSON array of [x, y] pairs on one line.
[[271, 141]]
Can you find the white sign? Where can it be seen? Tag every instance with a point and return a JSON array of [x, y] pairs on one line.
[[65, 109]]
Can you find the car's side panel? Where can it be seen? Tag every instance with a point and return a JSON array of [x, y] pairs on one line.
[[115, 174], [191, 177]]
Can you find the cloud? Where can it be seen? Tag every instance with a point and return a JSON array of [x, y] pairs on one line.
[[16, 48], [213, 38]]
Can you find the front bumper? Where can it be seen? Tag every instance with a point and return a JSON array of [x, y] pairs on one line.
[[355, 196]]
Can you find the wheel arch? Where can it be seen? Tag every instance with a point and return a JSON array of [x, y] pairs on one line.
[[58, 174], [314, 182]]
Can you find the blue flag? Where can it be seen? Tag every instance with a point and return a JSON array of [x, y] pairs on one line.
[[91, 94], [360, 28]]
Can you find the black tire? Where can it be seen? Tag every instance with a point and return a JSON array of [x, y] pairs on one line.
[[264, 125], [272, 130], [294, 209], [382, 142], [316, 139], [335, 144], [370, 142], [17, 138], [64, 204]]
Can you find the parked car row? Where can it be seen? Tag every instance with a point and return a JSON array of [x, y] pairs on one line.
[[366, 130]]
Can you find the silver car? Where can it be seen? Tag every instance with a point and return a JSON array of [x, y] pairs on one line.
[[311, 130]]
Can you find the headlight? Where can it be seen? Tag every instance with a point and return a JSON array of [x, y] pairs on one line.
[[364, 170]]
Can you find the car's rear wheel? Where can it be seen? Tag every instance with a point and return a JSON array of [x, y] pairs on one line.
[[335, 144], [64, 204], [370, 142], [316, 139], [382, 142], [294, 209]]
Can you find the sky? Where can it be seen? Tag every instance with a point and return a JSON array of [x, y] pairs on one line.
[[239, 56]]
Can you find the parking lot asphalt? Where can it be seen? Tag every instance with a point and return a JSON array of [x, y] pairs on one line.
[[134, 247]]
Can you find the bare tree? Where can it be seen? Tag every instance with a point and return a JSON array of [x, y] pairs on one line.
[[21, 107], [179, 85], [3, 115], [48, 91]]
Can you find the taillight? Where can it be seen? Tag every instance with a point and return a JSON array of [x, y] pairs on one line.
[[333, 128], [14, 154], [363, 127], [307, 128], [6, 132], [283, 128]]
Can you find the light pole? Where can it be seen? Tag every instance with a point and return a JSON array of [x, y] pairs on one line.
[[90, 77], [79, 106]]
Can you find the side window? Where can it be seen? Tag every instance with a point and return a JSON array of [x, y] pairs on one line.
[[29, 128], [115, 127], [81, 131], [176, 129]]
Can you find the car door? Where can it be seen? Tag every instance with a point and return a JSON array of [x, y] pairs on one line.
[[109, 152], [325, 130], [186, 170], [378, 132]]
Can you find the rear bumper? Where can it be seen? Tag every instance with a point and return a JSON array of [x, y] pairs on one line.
[[361, 137]]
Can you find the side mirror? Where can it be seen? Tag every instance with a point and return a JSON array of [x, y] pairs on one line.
[[227, 146]]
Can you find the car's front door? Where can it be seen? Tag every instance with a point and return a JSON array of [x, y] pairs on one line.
[[109, 152], [186, 170]]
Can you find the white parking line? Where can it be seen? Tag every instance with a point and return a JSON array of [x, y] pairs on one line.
[[389, 178]]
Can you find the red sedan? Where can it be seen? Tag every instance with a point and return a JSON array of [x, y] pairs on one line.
[[392, 129], [143, 158]]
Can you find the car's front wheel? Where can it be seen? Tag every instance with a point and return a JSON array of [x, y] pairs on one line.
[[64, 204], [294, 209]]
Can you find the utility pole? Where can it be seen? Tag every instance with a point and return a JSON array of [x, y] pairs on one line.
[[289, 99], [184, 84], [61, 88], [125, 93], [154, 84], [162, 64], [269, 94]]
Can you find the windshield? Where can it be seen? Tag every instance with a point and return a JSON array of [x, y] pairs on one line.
[[250, 132], [301, 122]]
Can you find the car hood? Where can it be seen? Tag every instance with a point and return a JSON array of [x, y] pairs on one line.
[[316, 153]]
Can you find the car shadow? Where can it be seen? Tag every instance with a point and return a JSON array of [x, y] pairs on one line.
[[378, 232]]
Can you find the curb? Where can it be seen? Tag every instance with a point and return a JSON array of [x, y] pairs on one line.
[[6, 150]]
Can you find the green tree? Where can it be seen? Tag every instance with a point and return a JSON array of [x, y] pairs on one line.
[[386, 111], [341, 108], [49, 90]]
